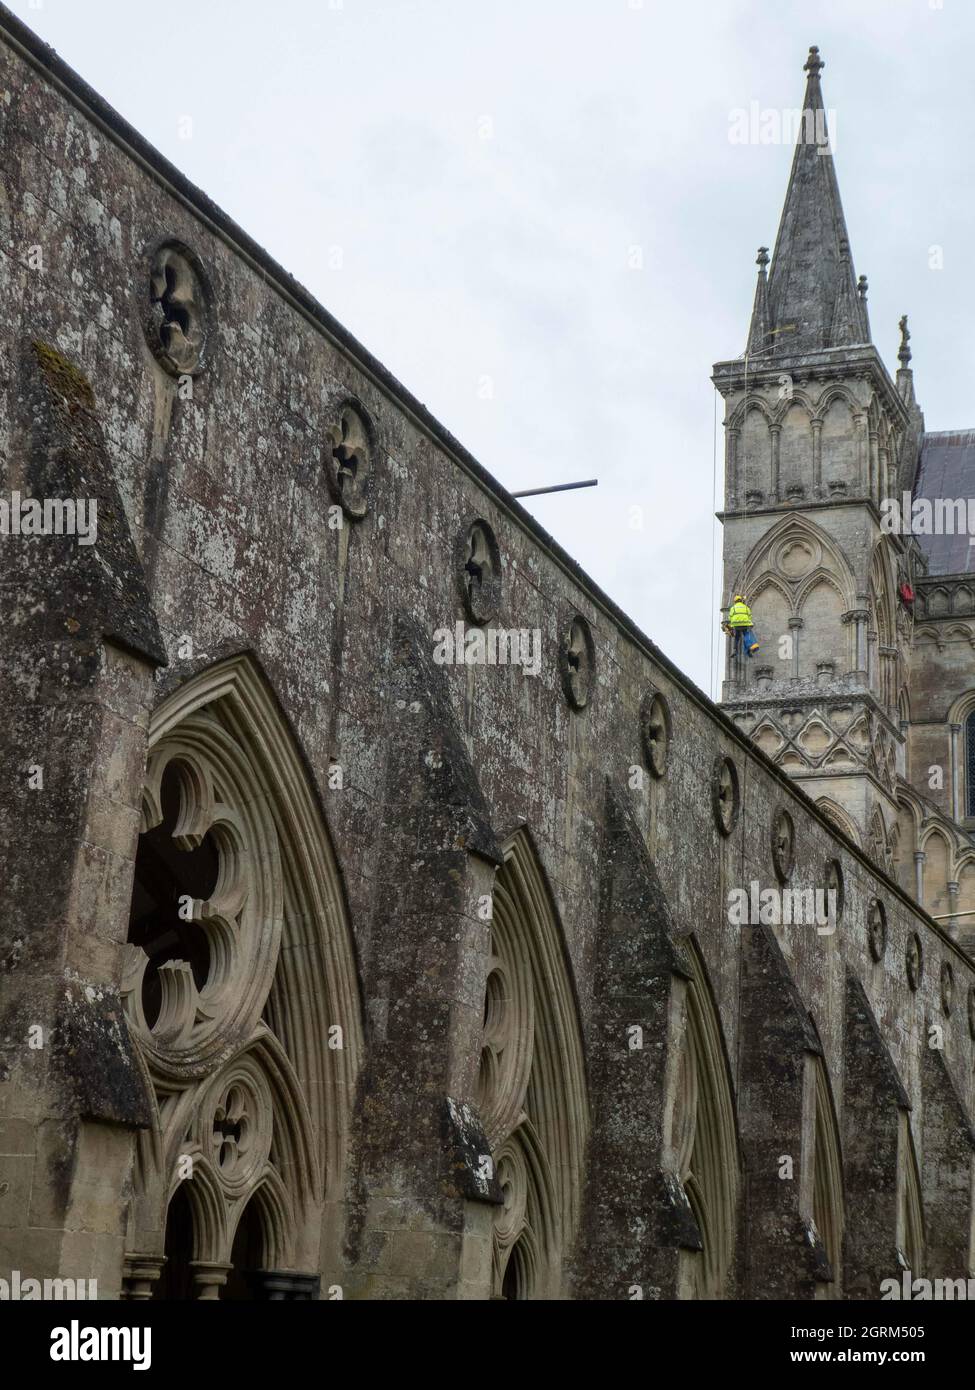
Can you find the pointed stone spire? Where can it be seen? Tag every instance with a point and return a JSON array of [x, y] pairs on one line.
[[812, 293], [760, 332], [845, 325], [862, 296]]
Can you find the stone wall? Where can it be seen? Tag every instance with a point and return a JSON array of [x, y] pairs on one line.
[[237, 528]]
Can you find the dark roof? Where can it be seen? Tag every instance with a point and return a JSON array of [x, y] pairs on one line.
[[947, 469]]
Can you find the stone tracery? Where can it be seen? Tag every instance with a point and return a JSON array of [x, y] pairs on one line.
[[251, 1111], [531, 1091]]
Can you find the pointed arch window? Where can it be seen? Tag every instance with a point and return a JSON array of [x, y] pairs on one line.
[[703, 1137], [827, 1183], [970, 764], [531, 1086], [909, 1235], [232, 1001]]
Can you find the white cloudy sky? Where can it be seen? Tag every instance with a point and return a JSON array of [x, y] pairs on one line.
[[487, 168]]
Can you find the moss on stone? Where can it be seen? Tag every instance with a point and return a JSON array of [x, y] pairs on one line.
[[64, 377]]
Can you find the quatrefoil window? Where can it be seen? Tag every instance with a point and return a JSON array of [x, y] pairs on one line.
[[232, 1126], [478, 564], [877, 930], [177, 313], [835, 885], [783, 844], [655, 722], [947, 987], [577, 662], [725, 795], [350, 461], [236, 1123]]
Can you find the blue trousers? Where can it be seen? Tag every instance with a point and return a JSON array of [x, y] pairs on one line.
[[744, 637]]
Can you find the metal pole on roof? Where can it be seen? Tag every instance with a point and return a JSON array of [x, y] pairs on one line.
[[559, 487]]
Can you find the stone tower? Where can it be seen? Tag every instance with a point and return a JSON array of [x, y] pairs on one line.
[[817, 434]]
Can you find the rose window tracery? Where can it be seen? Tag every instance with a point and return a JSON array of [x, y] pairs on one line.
[[206, 913]]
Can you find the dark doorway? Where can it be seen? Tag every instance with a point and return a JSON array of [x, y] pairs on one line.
[[247, 1257], [176, 1279], [515, 1284]]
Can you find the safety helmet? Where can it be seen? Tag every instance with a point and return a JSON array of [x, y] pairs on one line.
[[739, 598]]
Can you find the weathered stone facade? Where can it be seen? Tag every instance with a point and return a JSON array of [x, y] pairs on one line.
[[333, 968], [864, 682]]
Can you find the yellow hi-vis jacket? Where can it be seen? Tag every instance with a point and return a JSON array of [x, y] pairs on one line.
[[739, 615]]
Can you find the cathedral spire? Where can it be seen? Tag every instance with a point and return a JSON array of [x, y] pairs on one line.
[[812, 293], [760, 331]]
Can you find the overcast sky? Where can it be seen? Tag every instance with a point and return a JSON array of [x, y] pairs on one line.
[[493, 174]]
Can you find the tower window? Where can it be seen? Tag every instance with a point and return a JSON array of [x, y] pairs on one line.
[[970, 764]]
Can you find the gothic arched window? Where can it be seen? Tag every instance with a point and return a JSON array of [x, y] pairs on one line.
[[827, 1184], [909, 1236], [703, 1138], [239, 973], [970, 764], [531, 1087]]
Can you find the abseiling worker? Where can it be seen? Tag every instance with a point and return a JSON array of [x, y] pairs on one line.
[[740, 623]]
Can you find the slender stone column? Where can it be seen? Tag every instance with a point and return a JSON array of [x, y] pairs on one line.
[[735, 488], [888, 656], [871, 659], [861, 470], [209, 1277], [861, 640], [139, 1274], [858, 616], [795, 624], [817, 456], [955, 773], [776, 432], [919, 857]]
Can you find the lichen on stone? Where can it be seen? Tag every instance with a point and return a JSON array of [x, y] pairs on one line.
[[66, 379]]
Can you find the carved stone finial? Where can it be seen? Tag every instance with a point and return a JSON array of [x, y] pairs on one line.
[[762, 259], [813, 64], [862, 287], [904, 352]]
